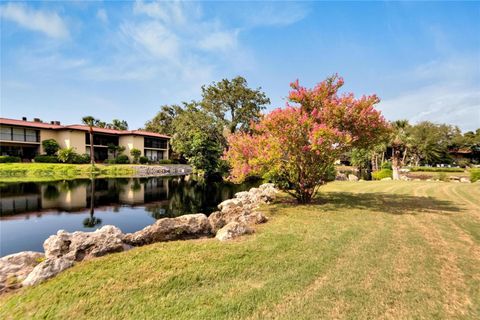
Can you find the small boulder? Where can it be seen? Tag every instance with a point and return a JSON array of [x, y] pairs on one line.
[[190, 226], [341, 177], [233, 230], [253, 218], [268, 192], [464, 180], [57, 245], [14, 268], [47, 269], [83, 245], [352, 177]]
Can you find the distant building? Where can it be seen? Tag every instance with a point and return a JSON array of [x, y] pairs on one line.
[[24, 138]]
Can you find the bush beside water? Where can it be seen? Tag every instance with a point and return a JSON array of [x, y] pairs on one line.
[[381, 174], [43, 158], [9, 159]]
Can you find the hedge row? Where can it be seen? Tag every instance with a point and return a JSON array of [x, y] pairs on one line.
[[436, 169]]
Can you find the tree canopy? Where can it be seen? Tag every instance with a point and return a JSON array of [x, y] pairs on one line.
[[198, 137], [297, 146], [234, 103], [163, 120]]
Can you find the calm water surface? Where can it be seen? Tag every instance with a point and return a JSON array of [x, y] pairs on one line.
[[31, 212]]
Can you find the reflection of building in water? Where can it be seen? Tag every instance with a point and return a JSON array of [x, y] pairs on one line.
[[20, 204], [72, 199], [132, 193], [34, 198], [140, 192]]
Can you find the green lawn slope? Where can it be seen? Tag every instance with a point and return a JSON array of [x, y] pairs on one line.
[[385, 249]]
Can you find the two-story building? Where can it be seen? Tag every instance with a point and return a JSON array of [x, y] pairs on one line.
[[24, 138]]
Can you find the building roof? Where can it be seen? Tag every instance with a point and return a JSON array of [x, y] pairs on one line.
[[31, 124], [81, 127]]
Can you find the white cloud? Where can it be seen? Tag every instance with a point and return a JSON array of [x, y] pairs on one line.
[[102, 15], [277, 15], [439, 91], [166, 12], [441, 104], [220, 40], [157, 39], [49, 23]]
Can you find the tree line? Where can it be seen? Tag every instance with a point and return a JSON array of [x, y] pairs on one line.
[[225, 133]]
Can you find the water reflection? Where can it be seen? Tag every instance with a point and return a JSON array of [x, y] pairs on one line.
[[162, 197], [30, 212]]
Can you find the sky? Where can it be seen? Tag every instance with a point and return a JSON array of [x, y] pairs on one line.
[[124, 59]]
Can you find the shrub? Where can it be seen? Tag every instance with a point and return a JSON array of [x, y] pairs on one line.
[[9, 159], [135, 153], [474, 175], [45, 158], [165, 161], [143, 160], [386, 165], [442, 176], [81, 158], [463, 163], [122, 159], [436, 169], [381, 174], [50, 146], [66, 155]]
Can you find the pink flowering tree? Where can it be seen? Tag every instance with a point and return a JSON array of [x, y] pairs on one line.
[[296, 146]]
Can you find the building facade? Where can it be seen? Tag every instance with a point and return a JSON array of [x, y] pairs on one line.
[[24, 138]]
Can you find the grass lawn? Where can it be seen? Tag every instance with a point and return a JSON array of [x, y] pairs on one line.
[[17, 172], [385, 249]]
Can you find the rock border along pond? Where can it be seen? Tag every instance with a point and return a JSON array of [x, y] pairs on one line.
[[235, 217]]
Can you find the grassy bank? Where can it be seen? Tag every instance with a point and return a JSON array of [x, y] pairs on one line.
[[384, 249], [16, 172]]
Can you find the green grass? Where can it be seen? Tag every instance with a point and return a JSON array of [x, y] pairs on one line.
[[17, 172], [365, 250]]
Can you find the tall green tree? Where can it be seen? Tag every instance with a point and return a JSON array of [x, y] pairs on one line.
[[119, 124], [431, 142], [90, 122], [198, 137], [234, 103], [163, 120]]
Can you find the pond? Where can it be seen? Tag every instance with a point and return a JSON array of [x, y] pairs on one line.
[[31, 212]]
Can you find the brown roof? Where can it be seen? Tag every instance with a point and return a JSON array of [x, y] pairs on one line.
[[81, 127], [32, 124]]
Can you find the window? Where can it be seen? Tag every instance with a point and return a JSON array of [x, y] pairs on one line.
[[156, 143], [19, 134], [101, 139], [153, 155], [31, 135], [6, 133]]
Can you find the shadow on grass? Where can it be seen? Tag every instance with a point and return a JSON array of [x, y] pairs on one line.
[[378, 202]]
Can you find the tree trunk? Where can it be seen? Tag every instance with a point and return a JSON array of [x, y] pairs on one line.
[[92, 154], [404, 156], [396, 164]]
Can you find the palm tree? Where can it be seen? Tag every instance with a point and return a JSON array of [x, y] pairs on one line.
[[92, 221], [90, 122], [400, 143]]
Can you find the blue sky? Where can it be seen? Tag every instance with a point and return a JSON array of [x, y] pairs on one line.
[[64, 60]]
